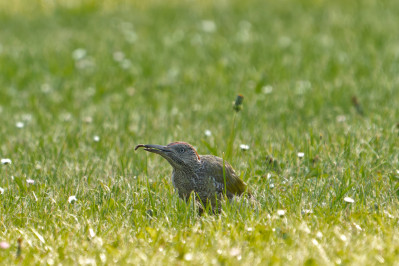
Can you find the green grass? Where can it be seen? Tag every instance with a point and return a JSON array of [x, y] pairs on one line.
[[158, 72]]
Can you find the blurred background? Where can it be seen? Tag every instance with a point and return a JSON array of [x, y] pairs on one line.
[[154, 72], [134, 72]]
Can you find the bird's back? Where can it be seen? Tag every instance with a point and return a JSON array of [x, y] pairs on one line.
[[212, 167]]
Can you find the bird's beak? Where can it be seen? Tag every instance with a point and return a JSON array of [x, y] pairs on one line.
[[159, 149]]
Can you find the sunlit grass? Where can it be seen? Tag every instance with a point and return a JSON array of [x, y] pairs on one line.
[[82, 83]]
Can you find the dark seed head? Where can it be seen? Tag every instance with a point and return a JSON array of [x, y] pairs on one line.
[[237, 105]]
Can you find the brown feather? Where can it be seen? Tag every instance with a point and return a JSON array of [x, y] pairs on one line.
[[214, 168]]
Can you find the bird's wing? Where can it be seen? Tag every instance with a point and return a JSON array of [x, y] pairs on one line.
[[233, 183]]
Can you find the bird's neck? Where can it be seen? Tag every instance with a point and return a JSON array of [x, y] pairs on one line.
[[184, 170], [188, 168]]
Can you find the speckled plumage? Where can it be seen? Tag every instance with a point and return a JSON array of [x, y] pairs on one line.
[[201, 174]]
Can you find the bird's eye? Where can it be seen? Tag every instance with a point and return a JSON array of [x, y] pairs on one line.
[[181, 150]]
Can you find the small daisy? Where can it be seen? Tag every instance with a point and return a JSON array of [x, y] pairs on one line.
[[6, 161], [126, 63], [388, 214], [267, 89], [188, 256], [280, 212], [208, 133], [88, 119], [4, 245], [79, 54], [341, 118], [307, 211], [72, 199], [30, 181], [235, 252], [20, 124], [244, 147], [96, 138], [91, 233], [118, 56], [349, 200], [208, 26], [301, 154], [357, 227], [46, 88]]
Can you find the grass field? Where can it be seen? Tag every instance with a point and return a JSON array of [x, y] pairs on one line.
[[81, 83]]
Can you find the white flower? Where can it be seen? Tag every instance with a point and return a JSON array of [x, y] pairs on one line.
[[341, 118], [103, 257], [4, 245], [280, 212], [388, 214], [343, 238], [126, 63], [357, 227], [301, 154], [307, 211], [118, 56], [188, 256], [30, 181], [244, 147], [267, 89], [72, 199], [6, 161], [96, 138], [235, 252], [91, 233], [1, 190], [397, 171], [79, 54], [349, 200], [88, 119], [46, 88], [208, 133], [284, 41], [208, 26], [20, 124], [87, 261]]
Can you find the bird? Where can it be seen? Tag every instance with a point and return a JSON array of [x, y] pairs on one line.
[[200, 174]]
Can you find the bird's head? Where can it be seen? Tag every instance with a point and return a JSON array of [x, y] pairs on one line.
[[178, 154]]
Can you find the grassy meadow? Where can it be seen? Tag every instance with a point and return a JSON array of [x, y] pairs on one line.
[[83, 82]]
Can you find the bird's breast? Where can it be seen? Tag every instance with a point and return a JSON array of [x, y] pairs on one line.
[[183, 182], [173, 179]]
